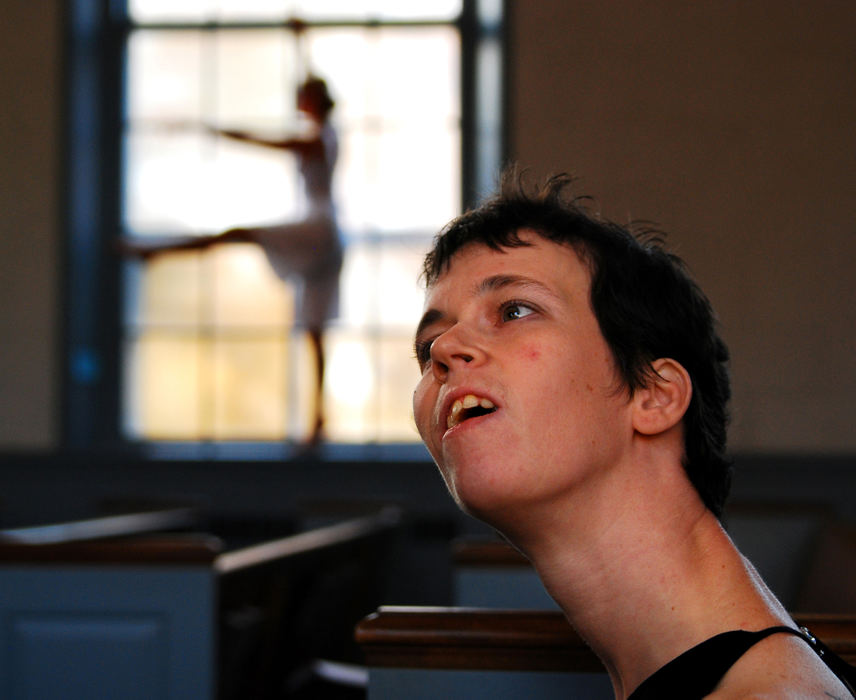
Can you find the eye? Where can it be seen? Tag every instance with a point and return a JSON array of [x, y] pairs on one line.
[[515, 310], [422, 350]]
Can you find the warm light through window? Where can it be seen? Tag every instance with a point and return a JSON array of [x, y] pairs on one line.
[[210, 350]]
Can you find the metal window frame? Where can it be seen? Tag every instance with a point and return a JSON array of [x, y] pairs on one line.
[[95, 33]]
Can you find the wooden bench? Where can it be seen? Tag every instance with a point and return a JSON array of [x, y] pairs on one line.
[[490, 573], [288, 603], [118, 607], [102, 528], [468, 653]]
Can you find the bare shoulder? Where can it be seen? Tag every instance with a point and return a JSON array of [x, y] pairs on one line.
[[783, 667]]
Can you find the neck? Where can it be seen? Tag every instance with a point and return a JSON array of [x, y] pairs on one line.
[[645, 581]]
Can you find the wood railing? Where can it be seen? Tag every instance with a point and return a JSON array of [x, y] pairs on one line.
[[487, 553], [163, 536], [123, 525], [472, 638], [286, 603], [541, 640], [267, 554], [490, 573]]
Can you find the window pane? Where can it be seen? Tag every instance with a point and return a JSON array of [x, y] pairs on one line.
[[397, 112], [271, 10], [212, 352], [394, 298], [410, 180], [164, 70], [164, 391], [179, 177], [371, 382], [399, 118], [400, 267], [203, 388], [392, 73], [398, 376], [250, 389], [408, 165], [244, 291], [169, 10], [167, 292], [375, 9], [352, 387], [256, 72], [194, 183]]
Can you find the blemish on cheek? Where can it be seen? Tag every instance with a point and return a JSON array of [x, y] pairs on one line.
[[533, 354]]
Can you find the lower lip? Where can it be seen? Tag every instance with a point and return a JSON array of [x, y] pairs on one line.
[[468, 423]]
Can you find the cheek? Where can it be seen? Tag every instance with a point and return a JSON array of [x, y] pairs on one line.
[[531, 353], [421, 407]]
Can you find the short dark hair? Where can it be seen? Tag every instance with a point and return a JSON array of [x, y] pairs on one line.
[[646, 304]]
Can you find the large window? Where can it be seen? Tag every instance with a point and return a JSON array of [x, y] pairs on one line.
[[204, 347]]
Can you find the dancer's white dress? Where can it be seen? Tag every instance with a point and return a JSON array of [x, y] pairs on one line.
[[308, 252]]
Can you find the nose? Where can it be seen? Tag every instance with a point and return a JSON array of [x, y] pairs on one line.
[[454, 349]]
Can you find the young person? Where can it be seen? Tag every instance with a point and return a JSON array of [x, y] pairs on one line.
[[574, 396]]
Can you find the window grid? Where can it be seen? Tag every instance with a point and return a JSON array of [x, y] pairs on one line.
[[378, 344]]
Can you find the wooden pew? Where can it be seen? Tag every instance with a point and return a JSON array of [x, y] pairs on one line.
[[288, 603], [102, 528], [130, 611], [470, 653], [490, 573], [119, 606]]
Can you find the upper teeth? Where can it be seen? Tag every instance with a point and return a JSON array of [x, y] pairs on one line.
[[468, 401]]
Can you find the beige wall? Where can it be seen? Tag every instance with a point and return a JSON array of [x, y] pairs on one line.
[[29, 237], [730, 124], [733, 126]]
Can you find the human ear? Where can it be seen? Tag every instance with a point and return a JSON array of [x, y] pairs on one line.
[[662, 402]]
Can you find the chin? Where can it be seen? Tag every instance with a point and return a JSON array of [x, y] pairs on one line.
[[478, 486], [484, 502]]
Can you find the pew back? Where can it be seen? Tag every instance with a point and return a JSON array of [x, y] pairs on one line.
[[506, 653], [287, 603], [115, 607], [108, 607]]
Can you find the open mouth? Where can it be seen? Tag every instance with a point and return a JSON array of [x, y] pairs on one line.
[[466, 407]]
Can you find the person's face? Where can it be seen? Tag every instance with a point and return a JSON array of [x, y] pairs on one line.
[[513, 332]]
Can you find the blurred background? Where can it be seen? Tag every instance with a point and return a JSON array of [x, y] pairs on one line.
[[728, 125]]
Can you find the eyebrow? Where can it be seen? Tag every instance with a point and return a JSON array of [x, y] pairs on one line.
[[495, 282], [488, 284]]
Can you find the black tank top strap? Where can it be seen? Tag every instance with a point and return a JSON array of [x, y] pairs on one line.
[[802, 633], [846, 673], [697, 672]]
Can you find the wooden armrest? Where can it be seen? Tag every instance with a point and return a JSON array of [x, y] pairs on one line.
[[100, 528], [838, 632], [281, 550], [487, 553], [473, 638], [152, 549], [515, 640]]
